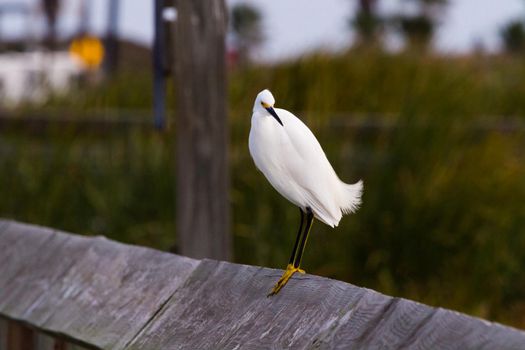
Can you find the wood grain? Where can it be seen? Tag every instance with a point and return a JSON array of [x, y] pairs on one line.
[[453, 330], [3, 334], [91, 289], [47, 342], [20, 337], [112, 292], [26, 250], [92, 293], [225, 306]]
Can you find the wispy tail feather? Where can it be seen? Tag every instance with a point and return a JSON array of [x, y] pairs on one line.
[[352, 197]]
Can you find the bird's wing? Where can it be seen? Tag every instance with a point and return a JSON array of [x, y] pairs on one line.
[[311, 170]]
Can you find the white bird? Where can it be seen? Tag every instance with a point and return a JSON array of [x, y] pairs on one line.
[[291, 158]]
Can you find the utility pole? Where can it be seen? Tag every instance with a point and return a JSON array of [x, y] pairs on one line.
[[162, 58], [51, 11], [203, 215], [111, 40]]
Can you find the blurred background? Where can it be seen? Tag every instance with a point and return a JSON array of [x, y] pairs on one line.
[[422, 99]]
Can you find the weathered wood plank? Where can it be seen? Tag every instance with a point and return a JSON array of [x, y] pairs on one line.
[[452, 330], [377, 321], [113, 290], [71, 346], [47, 342], [225, 306], [23, 248], [35, 260], [404, 324], [16, 249], [3, 225], [397, 322], [90, 289], [20, 337], [106, 295], [3, 334]]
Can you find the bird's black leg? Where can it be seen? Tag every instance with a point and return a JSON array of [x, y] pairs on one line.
[[297, 248], [298, 239], [309, 221]]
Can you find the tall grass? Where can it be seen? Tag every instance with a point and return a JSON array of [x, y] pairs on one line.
[[442, 217], [120, 186]]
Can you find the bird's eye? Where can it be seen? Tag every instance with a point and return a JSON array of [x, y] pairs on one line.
[[262, 104]]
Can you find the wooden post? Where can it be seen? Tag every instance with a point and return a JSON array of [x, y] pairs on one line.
[[19, 337], [3, 331], [201, 129]]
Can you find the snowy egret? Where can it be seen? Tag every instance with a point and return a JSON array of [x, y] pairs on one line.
[[292, 160]]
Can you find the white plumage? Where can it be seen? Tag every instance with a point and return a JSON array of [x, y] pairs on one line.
[[291, 158]]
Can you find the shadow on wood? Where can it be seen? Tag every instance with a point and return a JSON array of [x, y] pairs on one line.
[[100, 294]]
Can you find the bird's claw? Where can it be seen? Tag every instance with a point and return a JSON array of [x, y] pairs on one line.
[[288, 273]]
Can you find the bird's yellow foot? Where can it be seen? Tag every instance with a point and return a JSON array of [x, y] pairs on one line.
[[288, 273]]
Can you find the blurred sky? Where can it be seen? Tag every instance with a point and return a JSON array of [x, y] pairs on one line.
[[293, 27]]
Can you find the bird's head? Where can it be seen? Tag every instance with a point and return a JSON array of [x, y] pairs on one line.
[[264, 105]]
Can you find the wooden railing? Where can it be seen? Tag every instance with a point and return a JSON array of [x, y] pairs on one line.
[[64, 291]]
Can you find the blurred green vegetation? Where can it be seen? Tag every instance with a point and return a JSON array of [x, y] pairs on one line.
[[442, 219]]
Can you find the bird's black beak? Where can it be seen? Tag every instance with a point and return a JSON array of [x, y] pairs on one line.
[[274, 114]]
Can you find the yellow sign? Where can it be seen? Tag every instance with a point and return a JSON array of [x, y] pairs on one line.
[[89, 50]]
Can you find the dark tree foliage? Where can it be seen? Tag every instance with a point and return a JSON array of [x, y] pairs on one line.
[[246, 25], [418, 29], [513, 37], [367, 23]]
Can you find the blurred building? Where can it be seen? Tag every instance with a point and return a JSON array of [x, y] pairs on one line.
[[28, 71], [34, 76], [37, 60]]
